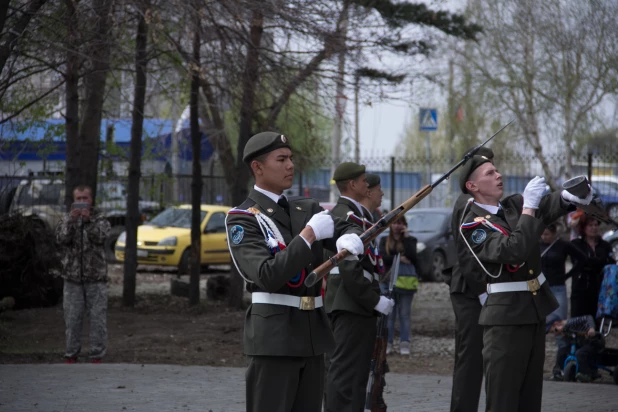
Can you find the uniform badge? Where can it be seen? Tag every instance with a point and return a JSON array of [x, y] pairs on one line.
[[488, 217], [269, 210], [299, 208], [284, 139], [478, 236], [254, 210], [478, 219], [237, 233]]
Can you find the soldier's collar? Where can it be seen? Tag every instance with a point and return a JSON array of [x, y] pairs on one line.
[[490, 208], [272, 196], [356, 204]]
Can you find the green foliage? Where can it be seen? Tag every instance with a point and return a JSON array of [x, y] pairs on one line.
[[378, 75], [400, 14]]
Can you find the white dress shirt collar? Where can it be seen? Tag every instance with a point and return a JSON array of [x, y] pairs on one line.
[[359, 207], [490, 208], [272, 196]]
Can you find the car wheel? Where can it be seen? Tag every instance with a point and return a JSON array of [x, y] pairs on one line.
[[612, 211], [438, 263], [110, 243], [183, 265]]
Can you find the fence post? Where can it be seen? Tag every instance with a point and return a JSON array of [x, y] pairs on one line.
[[590, 166], [392, 182]]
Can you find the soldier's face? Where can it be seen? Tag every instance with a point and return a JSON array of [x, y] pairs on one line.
[[84, 196], [276, 172], [359, 186], [375, 194], [486, 182]]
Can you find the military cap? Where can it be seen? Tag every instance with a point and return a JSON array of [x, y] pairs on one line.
[[347, 171], [263, 143], [483, 151], [372, 180], [470, 166]]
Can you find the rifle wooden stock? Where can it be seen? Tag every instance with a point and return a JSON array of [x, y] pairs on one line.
[[370, 234]]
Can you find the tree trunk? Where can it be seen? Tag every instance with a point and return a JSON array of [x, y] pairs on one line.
[[133, 215], [12, 36], [72, 105], [90, 129], [196, 180]]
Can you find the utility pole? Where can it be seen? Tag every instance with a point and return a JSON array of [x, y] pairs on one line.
[[339, 109]]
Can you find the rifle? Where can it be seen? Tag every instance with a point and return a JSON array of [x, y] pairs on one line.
[[375, 387], [580, 187], [392, 216]]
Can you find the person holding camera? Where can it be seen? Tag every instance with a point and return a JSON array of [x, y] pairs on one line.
[[82, 233]]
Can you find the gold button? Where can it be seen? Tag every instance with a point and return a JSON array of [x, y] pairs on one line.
[[531, 272], [269, 210], [488, 217], [298, 207]]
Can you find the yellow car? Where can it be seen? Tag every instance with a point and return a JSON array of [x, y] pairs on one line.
[[166, 239]]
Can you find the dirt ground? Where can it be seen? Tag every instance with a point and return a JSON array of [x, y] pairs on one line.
[[164, 329]]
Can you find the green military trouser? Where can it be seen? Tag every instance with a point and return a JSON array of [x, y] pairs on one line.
[[468, 370], [285, 383], [513, 358], [347, 376]]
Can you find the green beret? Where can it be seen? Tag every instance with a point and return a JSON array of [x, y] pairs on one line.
[[347, 171], [263, 143], [470, 166], [372, 180], [483, 151]]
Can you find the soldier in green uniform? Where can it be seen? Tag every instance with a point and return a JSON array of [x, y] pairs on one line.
[[373, 200], [274, 243], [468, 293], [351, 303], [499, 242]]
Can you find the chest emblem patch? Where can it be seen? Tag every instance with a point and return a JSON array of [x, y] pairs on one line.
[[478, 236], [237, 233]]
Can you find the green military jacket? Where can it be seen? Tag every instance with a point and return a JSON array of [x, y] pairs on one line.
[[459, 282], [513, 246], [277, 330], [350, 290]]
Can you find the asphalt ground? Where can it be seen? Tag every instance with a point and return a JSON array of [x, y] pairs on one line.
[[147, 388]]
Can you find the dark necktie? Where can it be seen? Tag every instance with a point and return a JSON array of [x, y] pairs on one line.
[[283, 202], [500, 214]]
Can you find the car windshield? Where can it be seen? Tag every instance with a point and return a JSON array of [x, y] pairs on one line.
[[425, 222], [175, 217]]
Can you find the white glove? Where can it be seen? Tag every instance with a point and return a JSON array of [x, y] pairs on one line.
[[352, 243], [483, 298], [322, 225], [385, 305], [533, 192], [570, 197]]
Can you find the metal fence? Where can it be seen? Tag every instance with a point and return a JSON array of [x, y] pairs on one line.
[[400, 177]]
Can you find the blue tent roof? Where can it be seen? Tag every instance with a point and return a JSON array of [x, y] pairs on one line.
[[53, 129], [31, 141]]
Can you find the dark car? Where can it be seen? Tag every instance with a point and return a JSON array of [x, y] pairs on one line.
[[608, 195], [436, 247]]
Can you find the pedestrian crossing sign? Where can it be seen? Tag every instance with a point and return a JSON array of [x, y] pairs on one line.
[[428, 120]]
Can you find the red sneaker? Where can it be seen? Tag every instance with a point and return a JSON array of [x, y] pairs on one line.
[[70, 360], [96, 361]]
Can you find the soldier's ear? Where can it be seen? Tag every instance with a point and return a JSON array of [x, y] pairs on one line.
[[471, 186]]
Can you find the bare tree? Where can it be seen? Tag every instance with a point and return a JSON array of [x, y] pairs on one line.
[[547, 64], [133, 216]]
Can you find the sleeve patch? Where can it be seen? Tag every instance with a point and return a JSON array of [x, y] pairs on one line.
[[237, 233], [478, 236]]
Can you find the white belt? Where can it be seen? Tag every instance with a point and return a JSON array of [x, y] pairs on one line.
[[366, 274], [300, 302], [532, 285]]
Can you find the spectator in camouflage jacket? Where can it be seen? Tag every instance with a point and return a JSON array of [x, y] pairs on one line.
[[82, 233]]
